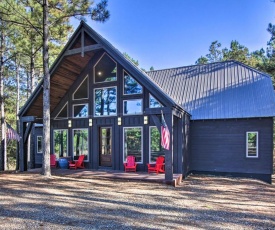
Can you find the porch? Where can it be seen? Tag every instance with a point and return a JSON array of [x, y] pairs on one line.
[[113, 175]]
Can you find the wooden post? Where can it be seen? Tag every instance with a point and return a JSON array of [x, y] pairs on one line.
[[22, 147], [169, 153]]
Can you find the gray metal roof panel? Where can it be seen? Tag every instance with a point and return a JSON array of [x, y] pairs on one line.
[[221, 90]]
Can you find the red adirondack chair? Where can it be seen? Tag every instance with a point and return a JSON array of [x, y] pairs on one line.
[[158, 166], [77, 164], [53, 162], [130, 165]]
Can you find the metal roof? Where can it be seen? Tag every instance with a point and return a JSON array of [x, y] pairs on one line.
[[221, 90]]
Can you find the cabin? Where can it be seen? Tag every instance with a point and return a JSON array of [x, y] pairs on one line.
[[220, 115]]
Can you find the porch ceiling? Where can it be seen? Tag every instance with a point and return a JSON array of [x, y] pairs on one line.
[[62, 79]]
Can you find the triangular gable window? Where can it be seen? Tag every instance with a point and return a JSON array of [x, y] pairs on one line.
[[105, 69], [63, 113], [131, 86], [82, 91], [154, 103]]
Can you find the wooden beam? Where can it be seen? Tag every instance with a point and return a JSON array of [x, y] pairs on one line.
[[80, 50], [28, 118], [27, 132], [157, 111], [82, 43]]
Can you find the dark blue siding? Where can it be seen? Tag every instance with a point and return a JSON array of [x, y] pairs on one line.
[[220, 146]]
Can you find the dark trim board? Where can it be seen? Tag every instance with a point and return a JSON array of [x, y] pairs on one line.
[[262, 177]]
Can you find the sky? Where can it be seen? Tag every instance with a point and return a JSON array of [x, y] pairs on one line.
[[173, 33]]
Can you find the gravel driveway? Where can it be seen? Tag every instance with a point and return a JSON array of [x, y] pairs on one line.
[[30, 201]]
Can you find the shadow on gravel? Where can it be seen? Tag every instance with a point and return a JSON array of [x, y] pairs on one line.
[[32, 201]]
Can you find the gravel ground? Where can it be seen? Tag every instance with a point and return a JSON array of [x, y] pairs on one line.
[[30, 201]]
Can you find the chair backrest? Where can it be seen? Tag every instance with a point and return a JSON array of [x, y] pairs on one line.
[[80, 160], [52, 159], [160, 160], [131, 161]]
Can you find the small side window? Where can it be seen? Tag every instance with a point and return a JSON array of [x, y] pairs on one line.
[[252, 144], [39, 144]]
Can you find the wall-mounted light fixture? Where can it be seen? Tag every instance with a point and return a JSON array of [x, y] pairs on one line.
[[69, 123], [90, 122], [145, 120], [119, 121]]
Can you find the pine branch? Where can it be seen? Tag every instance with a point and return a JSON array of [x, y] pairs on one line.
[[24, 18]]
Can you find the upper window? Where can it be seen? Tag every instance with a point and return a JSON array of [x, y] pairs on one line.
[[60, 141], [252, 144], [154, 103], [105, 101], [39, 144], [131, 86], [80, 143], [105, 69], [82, 91], [132, 143], [80, 111], [63, 112], [155, 144], [132, 107]]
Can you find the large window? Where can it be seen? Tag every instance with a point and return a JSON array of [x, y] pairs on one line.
[[105, 69], [60, 142], [80, 111], [105, 101], [131, 107], [133, 143], [252, 144], [155, 144], [131, 86], [82, 91], [80, 143], [39, 144]]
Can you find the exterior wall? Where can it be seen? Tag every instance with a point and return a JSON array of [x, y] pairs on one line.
[[117, 140], [220, 146]]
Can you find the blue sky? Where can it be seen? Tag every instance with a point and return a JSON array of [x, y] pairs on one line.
[[172, 33]]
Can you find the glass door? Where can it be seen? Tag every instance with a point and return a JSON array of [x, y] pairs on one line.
[[105, 146]]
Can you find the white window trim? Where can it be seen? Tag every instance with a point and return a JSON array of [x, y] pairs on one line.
[[57, 118], [80, 104], [95, 66], [131, 114], [124, 94], [37, 143], [141, 162], [87, 143], [54, 142], [116, 102], [79, 87], [156, 100], [257, 145]]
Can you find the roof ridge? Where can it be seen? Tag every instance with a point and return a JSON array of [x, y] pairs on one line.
[[188, 66]]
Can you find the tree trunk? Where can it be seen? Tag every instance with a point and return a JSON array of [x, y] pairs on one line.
[[46, 170], [32, 60], [3, 149], [17, 109]]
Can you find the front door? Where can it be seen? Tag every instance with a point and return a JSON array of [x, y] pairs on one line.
[[105, 146]]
